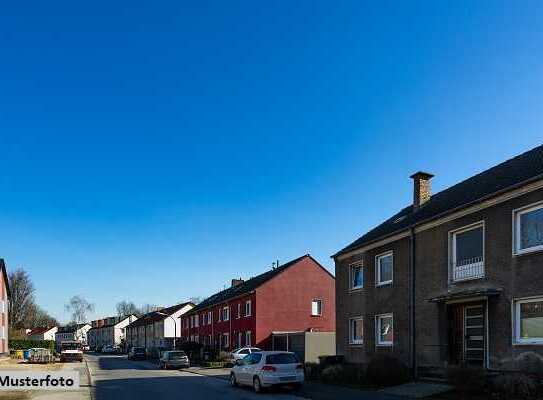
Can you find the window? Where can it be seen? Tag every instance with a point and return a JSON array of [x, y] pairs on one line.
[[210, 317], [529, 321], [356, 276], [248, 308], [528, 229], [384, 331], [316, 307], [226, 340], [196, 321], [239, 310], [240, 338], [219, 316], [467, 253], [248, 338], [226, 314], [356, 330], [384, 265]]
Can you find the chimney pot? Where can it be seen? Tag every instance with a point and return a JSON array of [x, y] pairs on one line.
[[422, 188]]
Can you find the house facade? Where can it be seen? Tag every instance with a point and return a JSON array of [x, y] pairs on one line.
[[453, 279], [4, 301], [43, 333], [109, 331], [295, 297], [72, 332], [157, 329]]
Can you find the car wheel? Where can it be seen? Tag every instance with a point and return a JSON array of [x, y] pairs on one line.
[[233, 381], [257, 386]]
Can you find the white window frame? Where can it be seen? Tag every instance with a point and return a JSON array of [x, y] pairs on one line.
[[196, 321], [248, 341], [378, 341], [516, 229], [378, 269], [226, 313], [240, 338], [239, 311], [226, 343], [516, 321], [351, 275], [250, 308], [452, 249], [319, 307], [353, 341], [209, 317]]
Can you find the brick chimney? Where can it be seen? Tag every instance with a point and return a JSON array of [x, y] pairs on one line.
[[422, 188], [237, 282]]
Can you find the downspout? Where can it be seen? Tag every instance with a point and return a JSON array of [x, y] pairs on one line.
[[412, 327]]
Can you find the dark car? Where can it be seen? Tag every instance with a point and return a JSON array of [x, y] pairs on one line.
[[137, 353]]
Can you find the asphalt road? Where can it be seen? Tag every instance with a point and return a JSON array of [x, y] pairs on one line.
[[116, 378]]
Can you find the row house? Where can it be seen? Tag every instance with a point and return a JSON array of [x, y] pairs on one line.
[[295, 297], [109, 331], [42, 333], [4, 298], [455, 278], [157, 329]]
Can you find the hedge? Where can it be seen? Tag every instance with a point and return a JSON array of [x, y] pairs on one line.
[[24, 344]]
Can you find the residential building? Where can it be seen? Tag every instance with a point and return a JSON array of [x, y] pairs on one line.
[[43, 333], [455, 278], [72, 332], [157, 329], [109, 331], [295, 297], [4, 301]]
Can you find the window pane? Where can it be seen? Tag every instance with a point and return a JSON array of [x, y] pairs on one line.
[[531, 229], [357, 277], [356, 330], [531, 320], [385, 327], [385, 268], [469, 246]]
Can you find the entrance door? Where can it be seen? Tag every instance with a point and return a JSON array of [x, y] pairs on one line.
[[467, 334]]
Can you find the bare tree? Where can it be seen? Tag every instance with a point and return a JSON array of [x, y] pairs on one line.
[[79, 307], [126, 308], [195, 300], [147, 308], [41, 318], [21, 303]]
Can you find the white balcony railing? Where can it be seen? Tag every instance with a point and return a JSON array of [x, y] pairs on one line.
[[471, 268]]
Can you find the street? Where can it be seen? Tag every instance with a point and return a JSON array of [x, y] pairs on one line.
[[116, 378]]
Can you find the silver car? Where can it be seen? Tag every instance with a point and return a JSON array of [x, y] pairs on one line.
[[268, 368], [242, 352], [173, 359]]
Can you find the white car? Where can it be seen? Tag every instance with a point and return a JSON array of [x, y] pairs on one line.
[[242, 352], [268, 368]]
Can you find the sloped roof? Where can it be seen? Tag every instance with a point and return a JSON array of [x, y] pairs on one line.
[[70, 328], [154, 316], [39, 330], [512, 173], [248, 286], [5, 275]]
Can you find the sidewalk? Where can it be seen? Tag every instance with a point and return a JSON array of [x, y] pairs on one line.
[[311, 389]]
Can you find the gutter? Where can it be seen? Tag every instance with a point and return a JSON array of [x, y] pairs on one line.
[[412, 302]]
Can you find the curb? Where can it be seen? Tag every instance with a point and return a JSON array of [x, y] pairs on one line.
[[91, 385], [202, 374]]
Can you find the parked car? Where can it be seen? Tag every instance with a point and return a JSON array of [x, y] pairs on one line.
[[108, 349], [175, 359], [137, 353], [268, 368], [242, 352], [70, 350]]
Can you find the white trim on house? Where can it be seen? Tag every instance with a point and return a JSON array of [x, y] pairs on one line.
[[352, 340], [378, 341], [316, 307], [517, 213], [358, 264], [517, 340], [378, 257], [474, 270], [248, 308], [248, 341]]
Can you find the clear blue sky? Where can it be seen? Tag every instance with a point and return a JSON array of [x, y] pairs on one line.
[[153, 151]]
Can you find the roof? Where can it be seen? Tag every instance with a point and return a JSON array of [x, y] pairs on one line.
[[155, 316], [40, 330], [249, 285], [113, 324], [512, 173], [5, 274], [70, 328]]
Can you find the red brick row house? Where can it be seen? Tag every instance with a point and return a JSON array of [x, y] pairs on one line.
[[295, 297], [4, 299]]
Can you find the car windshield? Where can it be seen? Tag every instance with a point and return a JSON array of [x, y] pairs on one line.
[[71, 346], [176, 354], [282, 358]]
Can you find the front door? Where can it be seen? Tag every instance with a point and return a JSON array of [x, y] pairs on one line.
[[467, 330]]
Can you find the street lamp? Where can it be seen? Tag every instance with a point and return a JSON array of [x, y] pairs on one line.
[[174, 326]]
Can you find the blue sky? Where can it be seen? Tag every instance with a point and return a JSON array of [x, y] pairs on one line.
[[152, 152]]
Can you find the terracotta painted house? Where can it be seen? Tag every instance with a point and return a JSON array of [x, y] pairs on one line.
[[4, 301], [454, 278], [295, 297]]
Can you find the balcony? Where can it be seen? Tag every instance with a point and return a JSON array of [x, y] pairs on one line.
[[471, 268]]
